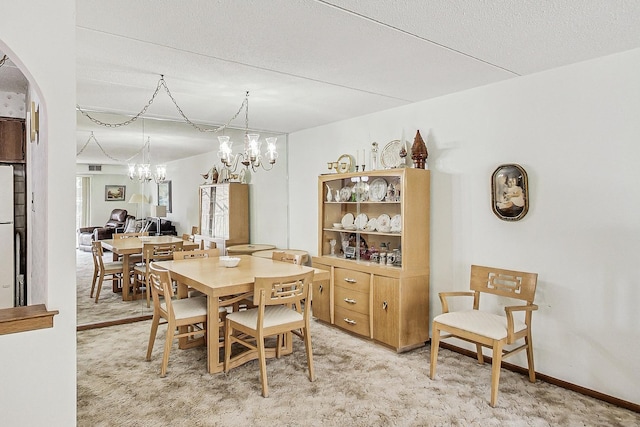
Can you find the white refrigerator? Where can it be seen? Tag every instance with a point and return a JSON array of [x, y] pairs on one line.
[[7, 248]]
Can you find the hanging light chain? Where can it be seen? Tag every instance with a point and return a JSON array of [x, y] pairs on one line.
[[92, 137], [162, 84], [3, 60]]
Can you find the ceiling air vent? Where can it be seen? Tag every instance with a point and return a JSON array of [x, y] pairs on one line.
[[95, 168]]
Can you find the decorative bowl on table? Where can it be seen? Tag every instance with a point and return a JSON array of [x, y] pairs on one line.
[[229, 261]]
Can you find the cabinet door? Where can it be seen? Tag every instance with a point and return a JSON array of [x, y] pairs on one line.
[[321, 297], [386, 310], [12, 137], [207, 197]]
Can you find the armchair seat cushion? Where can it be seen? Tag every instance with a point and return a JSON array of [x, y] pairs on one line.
[[480, 322]]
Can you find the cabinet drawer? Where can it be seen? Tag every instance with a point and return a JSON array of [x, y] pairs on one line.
[[351, 300], [350, 279], [349, 320]]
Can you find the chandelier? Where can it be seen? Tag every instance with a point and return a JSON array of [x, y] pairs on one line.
[[251, 156], [142, 171]]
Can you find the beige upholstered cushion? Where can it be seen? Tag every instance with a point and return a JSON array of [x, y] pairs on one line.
[[188, 307], [480, 322], [273, 315]]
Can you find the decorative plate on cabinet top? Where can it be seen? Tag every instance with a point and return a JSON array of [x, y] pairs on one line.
[[361, 221], [384, 223], [347, 221], [390, 155], [377, 190], [345, 194], [396, 224], [345, 163]]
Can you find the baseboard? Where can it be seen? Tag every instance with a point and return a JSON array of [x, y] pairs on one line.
[[551, 380], [97, 325]]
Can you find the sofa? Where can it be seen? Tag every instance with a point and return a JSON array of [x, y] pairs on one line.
[[166, 228], [119, 221]]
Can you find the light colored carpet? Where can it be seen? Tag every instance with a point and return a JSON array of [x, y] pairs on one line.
[[358, 384], [110, 305]]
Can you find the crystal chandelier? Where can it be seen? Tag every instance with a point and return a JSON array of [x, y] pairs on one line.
[[142, 171], [251, 156]]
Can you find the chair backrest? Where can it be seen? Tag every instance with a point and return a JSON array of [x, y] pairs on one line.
[[286, 257], [506, 283], [160, 251], [96, 251], [187, 237], [284, 290], [160, 284], [128, 235], [196, 253], [195, 229]]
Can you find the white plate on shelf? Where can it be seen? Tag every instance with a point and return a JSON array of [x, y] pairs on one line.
[[390, 155], [377, 190], [361, 221], [347, 221], [371, 225], [396, 224], [384, 223], [345, 194]]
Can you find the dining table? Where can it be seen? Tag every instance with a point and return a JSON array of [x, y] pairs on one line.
[[133, 245], [217, 282]]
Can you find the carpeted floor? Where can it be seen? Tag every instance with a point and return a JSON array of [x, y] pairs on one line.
[[358, 384]]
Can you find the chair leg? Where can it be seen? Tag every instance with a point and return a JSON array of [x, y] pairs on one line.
[[152, 337], [263, 365], [307, 346], [532, 371], [435, 343], [480, 355], [167, 348], [93, 282], [146, 290], [495, 371], [227, 344], [100, 280]]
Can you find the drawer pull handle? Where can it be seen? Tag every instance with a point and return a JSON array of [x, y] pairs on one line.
[[349, 280], [320, 288], [350, 300], [349, 321], [384, 305]]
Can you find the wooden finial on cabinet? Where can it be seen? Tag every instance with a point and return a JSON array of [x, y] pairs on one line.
[[419, 152]]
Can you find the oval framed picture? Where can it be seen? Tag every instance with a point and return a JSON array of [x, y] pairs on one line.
[[510, 192]]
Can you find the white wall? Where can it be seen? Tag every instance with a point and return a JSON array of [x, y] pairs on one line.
[[575, 131], [38, 368], [267, 196]]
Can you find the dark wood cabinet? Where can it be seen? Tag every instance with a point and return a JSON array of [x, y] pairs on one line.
[[12, 140]]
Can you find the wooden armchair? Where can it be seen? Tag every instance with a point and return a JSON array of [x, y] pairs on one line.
[[486, 329], [272, 317]]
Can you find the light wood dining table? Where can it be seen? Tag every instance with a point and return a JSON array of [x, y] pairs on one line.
[[133, 245], [216, 281]]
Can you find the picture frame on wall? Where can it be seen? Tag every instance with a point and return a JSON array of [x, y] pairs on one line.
[[510, 192], [164, 195], [114, 193]]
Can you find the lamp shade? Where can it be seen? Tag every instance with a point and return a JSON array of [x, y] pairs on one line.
[[158, 210], [138, 198]]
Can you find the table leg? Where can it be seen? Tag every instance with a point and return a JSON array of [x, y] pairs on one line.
[[214, 364], [126, 280]]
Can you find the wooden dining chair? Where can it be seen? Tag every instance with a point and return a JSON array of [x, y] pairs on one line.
[[152, 252], [487, 329], [196, 254], [274, 316], [287, 257], [133, 258], [103, 270], [185, 318]]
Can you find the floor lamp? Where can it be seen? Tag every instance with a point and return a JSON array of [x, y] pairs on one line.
[[138, 198]]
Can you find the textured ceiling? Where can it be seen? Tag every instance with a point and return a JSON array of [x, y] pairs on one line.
[[307, 63]]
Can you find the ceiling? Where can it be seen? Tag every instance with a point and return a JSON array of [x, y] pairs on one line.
[[306, 63]]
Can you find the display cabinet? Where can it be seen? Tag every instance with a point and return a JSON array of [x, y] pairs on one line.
[[224, 212], [373, 235]]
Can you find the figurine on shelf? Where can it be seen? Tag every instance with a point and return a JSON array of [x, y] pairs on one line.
[[214, 175], [419, 152], [374, 156]]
